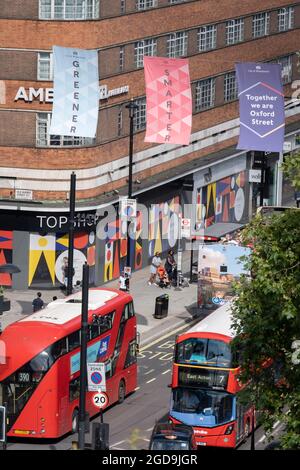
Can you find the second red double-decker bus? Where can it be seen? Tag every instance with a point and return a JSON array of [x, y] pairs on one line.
[[39, 367], [205, 385]]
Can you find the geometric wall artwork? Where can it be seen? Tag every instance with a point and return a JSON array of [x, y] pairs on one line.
[[161, 238], [46, 253], [41, 258], [222, 201], [6, 240]]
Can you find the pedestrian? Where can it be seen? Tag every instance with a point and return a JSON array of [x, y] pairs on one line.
[[65, 270], [155, 263], [170, 266], [37, 303]]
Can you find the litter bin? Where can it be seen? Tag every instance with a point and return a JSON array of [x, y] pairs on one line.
[[161, 306]]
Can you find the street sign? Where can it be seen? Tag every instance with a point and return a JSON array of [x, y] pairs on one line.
[[127, 270], [100, 400], [127, 208], [218, 301], [185, 228], [287, 146], [254, 176], [96, 377], [25, 194]]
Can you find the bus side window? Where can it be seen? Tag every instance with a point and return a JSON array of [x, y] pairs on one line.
[[73, 340], [131, 354], [94, 330], [106, 322], [129, 311], [59, 348], [74, 389]]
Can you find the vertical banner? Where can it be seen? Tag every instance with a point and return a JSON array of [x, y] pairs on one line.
[[168, 100], [76, 92], [261, 107]]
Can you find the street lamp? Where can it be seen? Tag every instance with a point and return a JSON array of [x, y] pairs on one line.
[[132, 107], [71, 234]]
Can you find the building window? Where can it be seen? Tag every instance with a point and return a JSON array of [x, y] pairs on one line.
[[69, 9], [260, 25], [205, 94], [121, 58], [234, 31], [44, 139], [45, 66], [230, 87], [177, 44], [123, 6], [285, 18], [139, 121], [207, 38], [286, 69], [120, 121], [142, 48], [145, 4], [176, 1]]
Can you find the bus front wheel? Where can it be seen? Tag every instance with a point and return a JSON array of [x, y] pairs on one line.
[[122, 392], [75, 421]]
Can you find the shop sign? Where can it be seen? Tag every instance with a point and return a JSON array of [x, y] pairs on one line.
[[45, 95]]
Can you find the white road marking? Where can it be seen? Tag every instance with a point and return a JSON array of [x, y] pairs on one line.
[[150, 429], [264, 436], [182, 327], [117, 443], [149, 371], [151, 380], [137, 388], [166, 371]]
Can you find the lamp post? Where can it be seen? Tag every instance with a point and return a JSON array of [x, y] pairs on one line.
[[71, 234], [132, 107], [82, 417]]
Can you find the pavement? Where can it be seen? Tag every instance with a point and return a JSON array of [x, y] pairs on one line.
[[182, 303]]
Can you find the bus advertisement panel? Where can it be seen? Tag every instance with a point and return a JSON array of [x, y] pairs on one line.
[[205, 385], [39, 378]]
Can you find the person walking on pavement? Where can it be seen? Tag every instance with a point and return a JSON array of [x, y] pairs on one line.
[[170, 266], [156, 262], [37, 303], [65, 269]]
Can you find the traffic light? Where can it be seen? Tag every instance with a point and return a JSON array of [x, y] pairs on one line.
[[100, 436], [2, 424]]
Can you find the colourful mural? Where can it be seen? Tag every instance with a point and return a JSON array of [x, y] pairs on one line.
[[6, 240], [162, 234], [222, 201], [47, 252]]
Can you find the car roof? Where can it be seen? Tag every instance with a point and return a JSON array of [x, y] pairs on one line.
[[165, 429]]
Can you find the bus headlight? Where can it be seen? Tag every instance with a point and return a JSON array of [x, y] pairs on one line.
[[229, 429]]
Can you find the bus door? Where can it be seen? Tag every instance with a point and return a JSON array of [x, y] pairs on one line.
[[240, 416]]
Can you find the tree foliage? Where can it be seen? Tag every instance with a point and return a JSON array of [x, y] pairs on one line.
[[266, 315], [291, 168]]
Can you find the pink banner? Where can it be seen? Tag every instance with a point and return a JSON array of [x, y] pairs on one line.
[[169, 100]]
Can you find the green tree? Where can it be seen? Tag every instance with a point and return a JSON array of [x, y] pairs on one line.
[[266, 315], [291, 168]]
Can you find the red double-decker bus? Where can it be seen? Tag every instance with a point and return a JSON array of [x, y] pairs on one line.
[[39, 381], [205, 385]]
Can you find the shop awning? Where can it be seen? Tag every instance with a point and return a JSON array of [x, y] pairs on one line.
[[216, 231]]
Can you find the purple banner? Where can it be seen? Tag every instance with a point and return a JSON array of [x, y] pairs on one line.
[[261, 107]]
